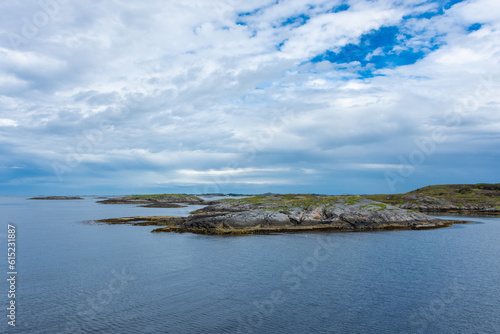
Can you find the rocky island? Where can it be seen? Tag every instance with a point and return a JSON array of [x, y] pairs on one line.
[[56, 198], [281, 213], [305, 212]]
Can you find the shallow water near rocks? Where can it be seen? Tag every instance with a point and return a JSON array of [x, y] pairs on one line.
[[75, 277]]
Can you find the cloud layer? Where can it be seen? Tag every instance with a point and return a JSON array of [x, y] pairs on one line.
[[223, 96]]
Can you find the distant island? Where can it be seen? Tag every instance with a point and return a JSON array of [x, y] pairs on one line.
[[271, 213], [56, 198]]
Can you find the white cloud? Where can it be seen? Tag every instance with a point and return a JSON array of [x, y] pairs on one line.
[[8, 122], [229, 171], [29, 62], [375, 166], [482, 11], [460, 56]]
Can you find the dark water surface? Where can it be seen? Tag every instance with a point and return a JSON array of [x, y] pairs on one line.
[[76, 277]]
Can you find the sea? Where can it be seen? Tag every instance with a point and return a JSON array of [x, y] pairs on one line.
[[72, 275]]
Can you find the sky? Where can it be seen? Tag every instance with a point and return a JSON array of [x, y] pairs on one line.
[[226, 96]]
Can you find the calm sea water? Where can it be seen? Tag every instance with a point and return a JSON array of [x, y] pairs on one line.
[[76, 277]]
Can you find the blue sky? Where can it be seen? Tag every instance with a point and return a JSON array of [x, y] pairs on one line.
[[378, 96]]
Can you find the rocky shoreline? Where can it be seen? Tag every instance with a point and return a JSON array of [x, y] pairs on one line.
[[283, 213]]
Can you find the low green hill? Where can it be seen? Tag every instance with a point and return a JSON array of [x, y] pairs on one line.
[[466, 196]]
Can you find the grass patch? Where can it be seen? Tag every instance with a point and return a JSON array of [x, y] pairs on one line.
[[373, 207], [396, 199], [376, 206], [291, 201], [160, 196]]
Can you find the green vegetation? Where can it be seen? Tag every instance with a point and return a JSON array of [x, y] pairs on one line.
[[395, 200], [374, 206], [460, 195], [488, 186], [351, 200], [290, 201], [160, 196]]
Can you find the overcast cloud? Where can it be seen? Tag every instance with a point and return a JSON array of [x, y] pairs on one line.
[[247, 96]]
